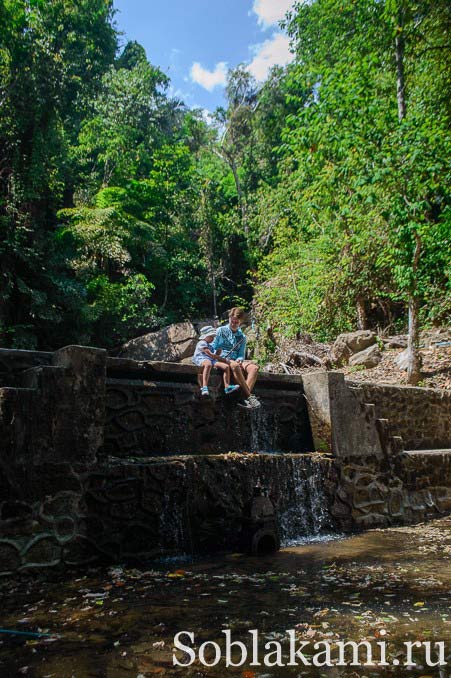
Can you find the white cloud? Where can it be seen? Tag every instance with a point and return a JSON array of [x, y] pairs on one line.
[[209, 79], [206, 115], [275, 51], [178, 93], [269, 12]]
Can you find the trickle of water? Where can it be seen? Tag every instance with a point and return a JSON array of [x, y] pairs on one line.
[[313, 539], [318, 503], [172, 522], [307, 514], [264, 431]]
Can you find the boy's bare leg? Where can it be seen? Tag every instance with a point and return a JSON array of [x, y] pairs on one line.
[[251, 372], [239, 377], [206, 365], [225, 373]]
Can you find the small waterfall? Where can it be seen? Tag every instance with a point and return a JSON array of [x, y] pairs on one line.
[[172, 523], [264, 431], [307, 514], [319, 503], [197, 504], [172, 515]]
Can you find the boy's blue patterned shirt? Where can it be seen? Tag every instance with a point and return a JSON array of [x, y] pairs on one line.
[[226, 340]]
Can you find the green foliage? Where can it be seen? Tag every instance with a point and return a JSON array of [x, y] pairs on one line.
[[115, 144], [51, 57], [121, 209], [121, 311], [359, 216]]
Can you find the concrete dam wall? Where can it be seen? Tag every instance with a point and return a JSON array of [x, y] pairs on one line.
[[111, 458]]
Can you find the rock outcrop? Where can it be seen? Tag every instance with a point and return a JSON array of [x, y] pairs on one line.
[[171, 344], [368, 358], [349, 343]]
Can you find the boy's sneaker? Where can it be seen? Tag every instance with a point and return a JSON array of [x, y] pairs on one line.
[[231, 389], [245, 404], [251, 403], [254, 401], [204, 391]]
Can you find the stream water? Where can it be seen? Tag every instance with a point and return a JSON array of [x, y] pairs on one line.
[[117, 622]]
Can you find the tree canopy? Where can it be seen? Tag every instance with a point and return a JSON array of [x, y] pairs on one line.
[[320, 198]]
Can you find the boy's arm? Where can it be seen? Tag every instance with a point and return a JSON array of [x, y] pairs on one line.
[[216, 343], [242, 350], [209, 353], [218, 359]]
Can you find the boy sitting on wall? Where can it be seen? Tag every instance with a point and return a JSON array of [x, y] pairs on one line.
[[231, 340], [206, 357]]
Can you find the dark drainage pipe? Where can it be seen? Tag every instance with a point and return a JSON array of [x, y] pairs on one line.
[[260, 532], [265, 541]]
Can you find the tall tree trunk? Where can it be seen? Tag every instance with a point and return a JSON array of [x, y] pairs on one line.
[[166, 272], [208, 246], [215, 302], [241, 199], [399, 57], [362, 322], [166, 290], [230, 160], [413, 355], [211, 268]]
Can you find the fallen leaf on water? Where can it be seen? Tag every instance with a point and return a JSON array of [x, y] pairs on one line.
[[420, 604], [380, 633]]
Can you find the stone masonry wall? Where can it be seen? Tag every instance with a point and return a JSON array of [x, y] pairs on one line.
[[153, 416], [392, 447], [82, 476], [409, 489], [64, 501], [144, 509], [51, 427], [195, 504], [420, 416]]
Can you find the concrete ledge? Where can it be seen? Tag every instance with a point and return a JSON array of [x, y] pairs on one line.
[[428, 453], [125, 368]]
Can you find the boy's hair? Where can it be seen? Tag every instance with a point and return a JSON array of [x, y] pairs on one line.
[[237, 312]]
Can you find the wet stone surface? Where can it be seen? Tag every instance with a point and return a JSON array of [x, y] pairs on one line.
[[390, 585]]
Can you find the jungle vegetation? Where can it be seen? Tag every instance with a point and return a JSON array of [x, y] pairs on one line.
[[320, 198]]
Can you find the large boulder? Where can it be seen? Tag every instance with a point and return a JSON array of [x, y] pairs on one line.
[[370, 357], [171, 344], [349, 343], [398, 341]]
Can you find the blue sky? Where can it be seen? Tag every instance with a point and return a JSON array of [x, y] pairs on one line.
[[195, 41]]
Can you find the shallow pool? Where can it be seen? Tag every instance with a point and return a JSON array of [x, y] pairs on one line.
[[386, 586]]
